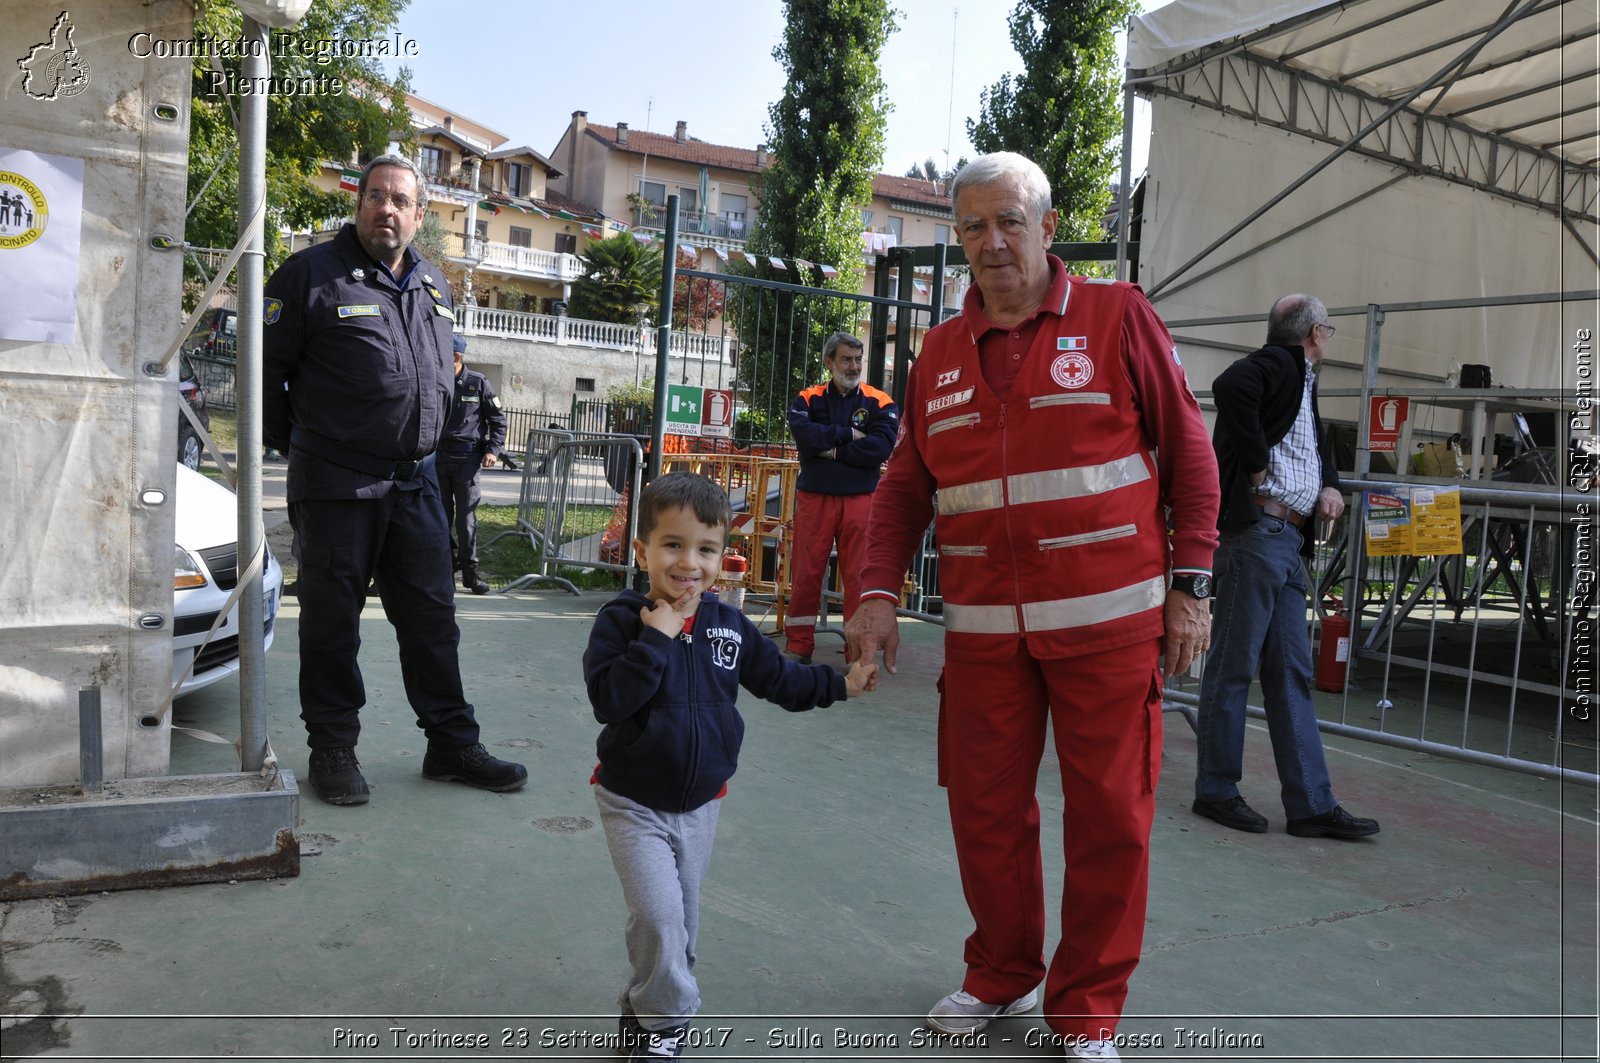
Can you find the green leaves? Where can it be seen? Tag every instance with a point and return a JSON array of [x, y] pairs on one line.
[[303, 130], [1064, 110], [827, 137], [620, 273]]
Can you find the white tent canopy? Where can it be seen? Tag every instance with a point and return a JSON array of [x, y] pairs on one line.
[[1375, 151]]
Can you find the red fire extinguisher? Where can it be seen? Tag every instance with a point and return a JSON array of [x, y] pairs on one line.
[[1333, 657]]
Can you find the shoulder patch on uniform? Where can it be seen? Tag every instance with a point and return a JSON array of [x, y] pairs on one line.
[[361, 310], [444, 311], [270, 309]]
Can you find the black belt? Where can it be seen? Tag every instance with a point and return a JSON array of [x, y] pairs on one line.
[[329, 450], [1277, 509]]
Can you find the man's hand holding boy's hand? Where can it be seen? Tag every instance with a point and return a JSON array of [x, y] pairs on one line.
[[862, 677], [668, 617]]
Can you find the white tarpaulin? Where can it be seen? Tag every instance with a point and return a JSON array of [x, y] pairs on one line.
[[1482, 185], [88, 437]]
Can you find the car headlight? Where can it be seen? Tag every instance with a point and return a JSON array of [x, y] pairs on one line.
[[187, 573]]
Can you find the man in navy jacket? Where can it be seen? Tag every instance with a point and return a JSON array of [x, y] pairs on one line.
[[844, 430], [356, 388]]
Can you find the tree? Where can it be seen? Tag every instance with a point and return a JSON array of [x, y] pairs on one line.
[[619, 274], [303, 129], [827, 139], [1063, 111], [928, 170], [697, 302], [433, 239]]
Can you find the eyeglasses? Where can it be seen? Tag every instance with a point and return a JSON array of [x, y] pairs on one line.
[[376, 197], [1324, 324]]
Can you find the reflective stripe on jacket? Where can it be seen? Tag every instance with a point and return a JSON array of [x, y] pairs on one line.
[[1050, 524]]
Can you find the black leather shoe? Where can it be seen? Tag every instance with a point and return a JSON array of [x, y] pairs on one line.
[[1336, 824], [470, 580], [336, 776], [1232, 813], [474, 766]]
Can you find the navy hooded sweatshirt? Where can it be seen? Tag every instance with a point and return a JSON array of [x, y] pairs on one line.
[[672, 734]]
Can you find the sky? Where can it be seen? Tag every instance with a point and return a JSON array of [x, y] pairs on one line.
[[523, 68]]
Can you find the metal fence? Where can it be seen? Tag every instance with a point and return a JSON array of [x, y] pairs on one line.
[[575, 506], [216, 375]]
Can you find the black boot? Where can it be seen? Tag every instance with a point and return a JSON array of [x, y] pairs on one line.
[[470, 580], [474, 766]]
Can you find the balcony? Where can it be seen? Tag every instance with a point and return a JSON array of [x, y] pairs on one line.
[[513, 324], [514, 261], [714, 230]]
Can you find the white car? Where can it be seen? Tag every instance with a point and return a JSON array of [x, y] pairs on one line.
[[207, 568]]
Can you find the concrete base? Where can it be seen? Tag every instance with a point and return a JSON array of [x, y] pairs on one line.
[[133, 833]]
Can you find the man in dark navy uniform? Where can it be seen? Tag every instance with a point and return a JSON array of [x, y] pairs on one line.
[[473, 437], [356, 388]]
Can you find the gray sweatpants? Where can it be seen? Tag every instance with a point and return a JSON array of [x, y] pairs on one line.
[[660, 859]]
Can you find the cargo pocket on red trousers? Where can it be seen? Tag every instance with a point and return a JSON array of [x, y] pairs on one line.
[[943, 742], [1152, 734]]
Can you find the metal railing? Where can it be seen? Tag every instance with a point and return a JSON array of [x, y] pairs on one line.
[[692, 223]]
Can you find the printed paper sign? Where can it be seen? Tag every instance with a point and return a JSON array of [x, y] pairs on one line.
[[1413, 521], [41, 214]]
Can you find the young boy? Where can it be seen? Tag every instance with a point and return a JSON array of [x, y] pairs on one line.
[[663, 673]]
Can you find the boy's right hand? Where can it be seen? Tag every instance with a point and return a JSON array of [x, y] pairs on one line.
[[862, 677], [668, 617]]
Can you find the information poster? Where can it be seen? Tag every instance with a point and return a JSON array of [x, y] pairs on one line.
[[1413, 521], [41, 214]]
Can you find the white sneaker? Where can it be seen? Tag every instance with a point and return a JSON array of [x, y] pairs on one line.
[[962, 1013], [1093, 1050]]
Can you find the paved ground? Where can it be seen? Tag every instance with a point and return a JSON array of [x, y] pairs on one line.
[[832, 917]]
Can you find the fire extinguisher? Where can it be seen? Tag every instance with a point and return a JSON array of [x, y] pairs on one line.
[[1333, 657]]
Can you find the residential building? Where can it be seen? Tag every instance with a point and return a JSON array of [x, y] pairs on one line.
[[512, 243], [630, 173]]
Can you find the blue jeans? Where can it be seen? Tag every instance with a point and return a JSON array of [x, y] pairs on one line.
[[1260, 620]]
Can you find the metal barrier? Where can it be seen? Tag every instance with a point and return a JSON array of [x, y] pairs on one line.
[[1487, 657], [761, 489], [575, 487], [1483, 656]]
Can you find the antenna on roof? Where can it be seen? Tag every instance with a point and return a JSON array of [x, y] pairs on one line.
[[949, 118]]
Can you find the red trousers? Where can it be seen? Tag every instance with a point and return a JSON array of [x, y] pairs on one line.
[[819, 520], [1105, 712]]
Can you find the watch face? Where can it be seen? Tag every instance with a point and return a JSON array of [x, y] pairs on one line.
[[1202, 586]]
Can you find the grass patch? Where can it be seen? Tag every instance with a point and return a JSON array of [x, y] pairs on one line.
[[225, 429], [515, 556]]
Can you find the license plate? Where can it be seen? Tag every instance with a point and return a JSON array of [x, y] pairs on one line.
[[272, 605]]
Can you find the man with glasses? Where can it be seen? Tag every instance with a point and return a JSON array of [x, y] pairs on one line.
[[844, 430], [358, 377], [1278, 480]]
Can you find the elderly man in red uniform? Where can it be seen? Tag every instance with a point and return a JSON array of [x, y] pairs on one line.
[[1057, 432]]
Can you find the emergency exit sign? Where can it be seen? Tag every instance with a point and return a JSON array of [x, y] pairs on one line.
[[694, 411]]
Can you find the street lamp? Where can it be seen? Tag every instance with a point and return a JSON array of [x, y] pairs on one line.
[[643, 310]]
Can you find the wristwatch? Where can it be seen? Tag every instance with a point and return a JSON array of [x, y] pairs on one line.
[[1197, 584]]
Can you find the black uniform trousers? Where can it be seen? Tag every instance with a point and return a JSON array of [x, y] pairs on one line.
[[401, 539], [458, 490]]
